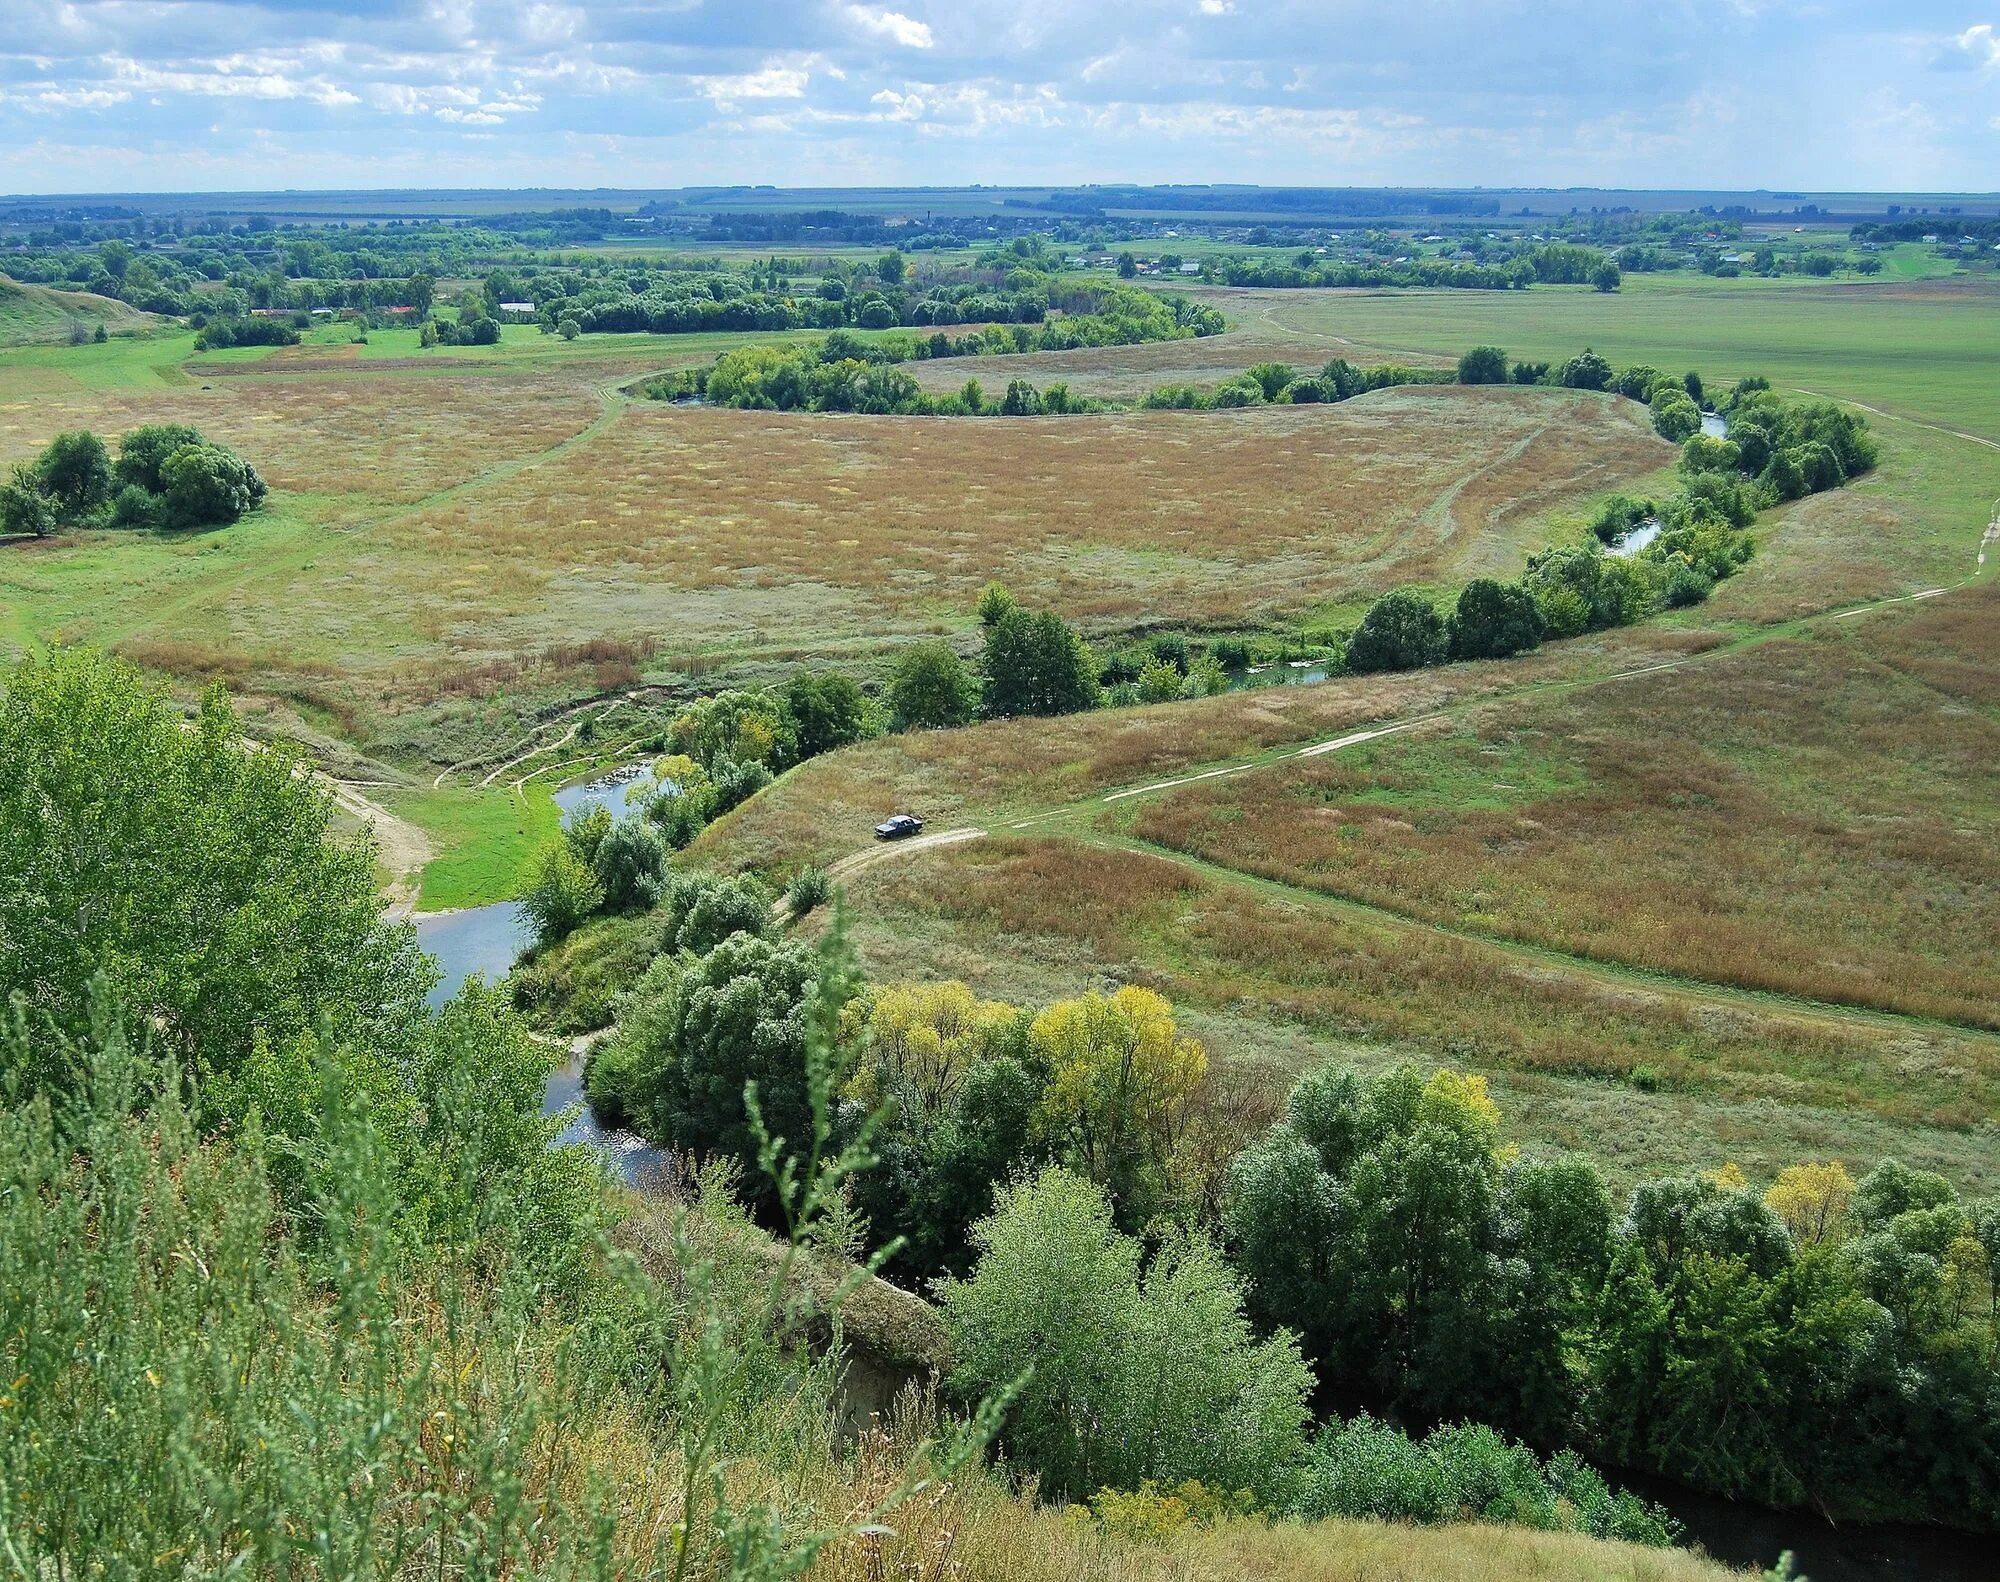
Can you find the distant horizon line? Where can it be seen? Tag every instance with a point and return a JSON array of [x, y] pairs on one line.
[[1779, 192]]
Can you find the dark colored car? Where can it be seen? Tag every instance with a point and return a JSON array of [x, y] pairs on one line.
[[898, 827]]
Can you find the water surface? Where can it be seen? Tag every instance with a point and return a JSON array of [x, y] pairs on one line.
[[486, 940]]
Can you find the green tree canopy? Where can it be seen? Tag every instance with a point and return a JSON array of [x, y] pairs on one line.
[[828, 710], [75, 472], [1483, 365], [1493, 620], [930, 688], [1035, 664], [198, 880], [1157, 1379], [1400, 632]]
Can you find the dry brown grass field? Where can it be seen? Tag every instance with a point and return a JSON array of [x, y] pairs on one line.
[[459, 517], [1641, 1072], [1813, 815], [718, 527], [1009, 769]]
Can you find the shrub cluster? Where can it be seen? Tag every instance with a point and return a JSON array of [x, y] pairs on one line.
[[1268, 383], [166, 475], [1827, 1344], [245, 329], [845, 373]]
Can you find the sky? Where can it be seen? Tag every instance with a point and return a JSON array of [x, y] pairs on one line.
[[1831, 95]]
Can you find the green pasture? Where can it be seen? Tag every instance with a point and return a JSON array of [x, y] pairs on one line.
[[484, 840], [1925, 350]]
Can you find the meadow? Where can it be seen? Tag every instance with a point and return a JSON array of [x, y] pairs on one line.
[[439, 517], [1641, 1071], [1651, 932], [1818, 819]]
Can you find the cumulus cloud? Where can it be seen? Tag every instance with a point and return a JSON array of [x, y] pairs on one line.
[[892, 25], [767, 82], [1977, 48], [663, 91]]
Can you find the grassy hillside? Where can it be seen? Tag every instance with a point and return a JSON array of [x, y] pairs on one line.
[[41, 316]]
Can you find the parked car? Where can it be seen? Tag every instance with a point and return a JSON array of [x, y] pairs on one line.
[[898, 827]]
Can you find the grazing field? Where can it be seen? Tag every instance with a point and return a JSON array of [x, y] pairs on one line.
[[1813, 816], [32, 315], [1005, 770], [462, 516]]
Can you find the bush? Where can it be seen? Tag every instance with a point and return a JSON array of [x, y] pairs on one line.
[[701, 910], [1400, 632], [1035, 664], [562, 891], [1159, 682], [24, 508], [75, 472], [930, 688], [828, 709], [207, 485], [1160, 1379], [143, 453], [1675, 417], [134, 508], [1483, 365], [1687, 585], [1366, 1470], [630, 863], [1585, 371], [1271, 378], [1493, 620], [739, 1018], [808, 890]]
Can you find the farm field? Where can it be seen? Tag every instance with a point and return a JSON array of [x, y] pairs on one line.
[[1920, 349]]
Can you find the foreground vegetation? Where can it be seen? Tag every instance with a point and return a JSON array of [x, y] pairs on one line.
[[351, 1308]]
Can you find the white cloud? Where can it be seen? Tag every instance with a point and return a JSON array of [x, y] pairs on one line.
[[771, 82], [892, 25], [1979, 45], [80, 98], [234, 78], [898, 106], [1215, 7]]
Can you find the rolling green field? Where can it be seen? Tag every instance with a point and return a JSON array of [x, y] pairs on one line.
[[1922, 349]]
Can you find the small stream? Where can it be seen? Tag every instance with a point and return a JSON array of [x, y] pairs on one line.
[[1280, 673], [1750, 1535], [487, 939], [621, 791]]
